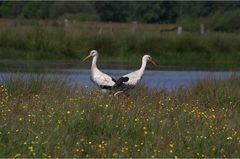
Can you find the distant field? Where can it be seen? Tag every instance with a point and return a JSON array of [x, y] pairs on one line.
[[54, 120], [121, 43], [107, 26]]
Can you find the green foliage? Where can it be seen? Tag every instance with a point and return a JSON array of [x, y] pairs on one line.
[[113, 11], [218, 14], [226, 21], [36, 9], [74, 10], [190, 50], [56, 120], [150, 12], [11, 10], [206, 8]]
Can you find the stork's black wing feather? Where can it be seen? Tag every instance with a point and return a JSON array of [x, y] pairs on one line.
[[105, 87], [114, 80], [120, 81]]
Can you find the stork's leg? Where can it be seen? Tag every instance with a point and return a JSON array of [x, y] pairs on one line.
[[118, 92]]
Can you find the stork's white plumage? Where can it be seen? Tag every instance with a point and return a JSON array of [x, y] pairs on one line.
[[103, 80], [132, 79]]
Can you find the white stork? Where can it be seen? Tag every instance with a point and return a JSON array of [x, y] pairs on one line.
[[104, 81], [130, 80]]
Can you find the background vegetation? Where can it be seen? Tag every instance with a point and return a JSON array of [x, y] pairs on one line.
[[222, 15], [68, 30], [190, 50], [55, 120]]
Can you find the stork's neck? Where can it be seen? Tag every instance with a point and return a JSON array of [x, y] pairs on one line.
[[94, 63], [144, 64]]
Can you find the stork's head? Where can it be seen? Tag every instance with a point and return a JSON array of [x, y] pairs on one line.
[[91, 54], [148, 58]]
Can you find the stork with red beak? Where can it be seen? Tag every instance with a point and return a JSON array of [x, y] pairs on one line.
[[130, 80], [104, 81]]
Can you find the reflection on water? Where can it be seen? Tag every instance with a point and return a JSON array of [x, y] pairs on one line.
[[151, 78]]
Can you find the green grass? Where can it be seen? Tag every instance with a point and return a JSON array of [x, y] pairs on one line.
[[190, 50], [55, 120]]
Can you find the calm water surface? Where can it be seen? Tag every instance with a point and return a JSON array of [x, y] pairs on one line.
[[152, 78]]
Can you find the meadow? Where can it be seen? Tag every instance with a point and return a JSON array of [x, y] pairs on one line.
[[120, 43], [56, 120]]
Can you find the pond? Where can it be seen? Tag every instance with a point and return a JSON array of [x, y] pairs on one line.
[[168, 79]]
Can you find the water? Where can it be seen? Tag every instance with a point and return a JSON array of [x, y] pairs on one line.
[[152, 78]]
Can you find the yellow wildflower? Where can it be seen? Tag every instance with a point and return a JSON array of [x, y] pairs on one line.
[[17, 155], [114, 154], [100, 146], [30, 148], [229, 138], [171, 145]]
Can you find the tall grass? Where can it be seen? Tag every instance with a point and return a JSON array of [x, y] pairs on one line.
[[55, 43], [43, 118]]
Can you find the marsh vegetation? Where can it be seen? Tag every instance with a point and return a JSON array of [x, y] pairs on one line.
[[55, 120]]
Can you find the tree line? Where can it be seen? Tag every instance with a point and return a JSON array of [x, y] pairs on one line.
[[183, 12]]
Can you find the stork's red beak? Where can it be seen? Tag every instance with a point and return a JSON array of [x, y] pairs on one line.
[[86, 58], [154, 63]]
